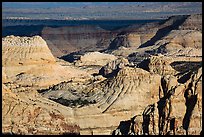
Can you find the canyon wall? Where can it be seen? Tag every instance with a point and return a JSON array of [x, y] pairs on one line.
[[65, 40], [102, 92]]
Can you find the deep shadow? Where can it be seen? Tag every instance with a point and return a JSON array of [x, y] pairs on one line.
[[128, 127], [185, 77], [173, 125], [164, 31], [73, 103], [164, 109], [72, 56], [125, 127], [144, 64], [186, 68], [191, 100], [147, 114], [164, 86], [161, 49], [67, 133], [137, 58], [119, 41], [109, 75]]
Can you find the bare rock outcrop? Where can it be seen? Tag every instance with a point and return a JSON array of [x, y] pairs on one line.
[[103, 102], [168, 65], [181, 43], [161, 65], [30, 114], [176, 36], [134, 36], [184, 39], [28, 61], [95, 58], [112, 68], [146, 34], [193, 22], [172, 114], [18, 51]]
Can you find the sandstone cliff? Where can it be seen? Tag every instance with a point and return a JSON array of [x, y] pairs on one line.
[[176, 36], [19, 51], [65, 40]]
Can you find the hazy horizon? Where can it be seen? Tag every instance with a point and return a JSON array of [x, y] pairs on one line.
[[98, 10]]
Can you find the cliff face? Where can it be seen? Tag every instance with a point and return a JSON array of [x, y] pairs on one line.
[[64, 40], [193, 22], [67, 39], [25, 55], [18, 51], [134, 36], [178, 35]]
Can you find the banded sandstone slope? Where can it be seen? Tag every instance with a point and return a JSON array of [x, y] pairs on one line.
[[178, 35]]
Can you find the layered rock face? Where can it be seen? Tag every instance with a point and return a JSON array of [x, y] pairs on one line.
[[113, 67], [101, 93], [193, 22], [64, 40], [30, 114], [177, 36], [134, 36], [25, 51], [102, 101], [118, 99], [27, 64], [28, 60], [181, 43]]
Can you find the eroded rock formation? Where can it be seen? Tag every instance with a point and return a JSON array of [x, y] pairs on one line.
[[65, 40], [176, 36], [29, 114], [95, 58], [159, 94], [113, 67]]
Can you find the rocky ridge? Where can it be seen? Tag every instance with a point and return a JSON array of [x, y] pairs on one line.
[[65, 40], [176, 36]]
